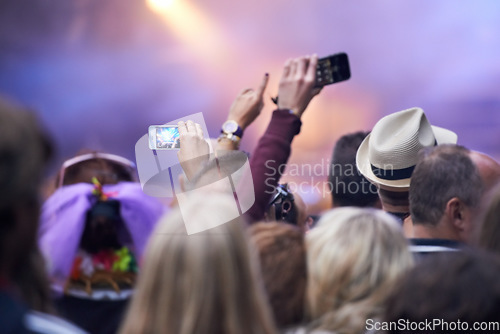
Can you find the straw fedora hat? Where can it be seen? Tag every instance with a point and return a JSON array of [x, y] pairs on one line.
[[388, 154]]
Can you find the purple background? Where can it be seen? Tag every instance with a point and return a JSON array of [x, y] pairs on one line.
[[99, 72]]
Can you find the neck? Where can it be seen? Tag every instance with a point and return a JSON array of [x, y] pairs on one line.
[[430, 231], [387, 207], [392, 201]]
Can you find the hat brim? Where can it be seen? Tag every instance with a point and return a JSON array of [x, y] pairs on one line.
[[443, 136]]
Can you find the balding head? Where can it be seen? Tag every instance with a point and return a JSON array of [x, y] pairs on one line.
[[489, 169], [445, 193]]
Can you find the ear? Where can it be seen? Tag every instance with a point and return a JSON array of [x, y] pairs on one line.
[[456, 212], [309, 223]]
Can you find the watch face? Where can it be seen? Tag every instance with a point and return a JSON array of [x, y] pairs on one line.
[[230, 127]]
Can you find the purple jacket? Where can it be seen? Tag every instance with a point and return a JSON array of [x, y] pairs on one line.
[[63, 219], [272, 151]]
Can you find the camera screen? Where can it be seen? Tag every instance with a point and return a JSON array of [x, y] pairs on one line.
[[167, 137]]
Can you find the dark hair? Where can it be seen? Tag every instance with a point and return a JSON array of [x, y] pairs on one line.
[[442, 173], [106, 171], [282, 256], [348, 186], [450, 286], [102, 225], [25, 149]]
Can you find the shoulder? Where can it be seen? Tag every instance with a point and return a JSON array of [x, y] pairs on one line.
[[424, 246], [41, 323], [16, 318]]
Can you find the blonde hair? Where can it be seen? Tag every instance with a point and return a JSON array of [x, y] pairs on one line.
[[354, 256], [201, 283]]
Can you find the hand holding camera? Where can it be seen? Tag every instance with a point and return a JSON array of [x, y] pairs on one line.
[[194, 150]]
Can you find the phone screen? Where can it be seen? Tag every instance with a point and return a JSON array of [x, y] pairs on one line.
[[332, 69], [167, 137]]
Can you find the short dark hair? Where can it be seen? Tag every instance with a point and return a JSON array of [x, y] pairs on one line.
[[282, 254], [443, 172], [344, 174], [450, 286]]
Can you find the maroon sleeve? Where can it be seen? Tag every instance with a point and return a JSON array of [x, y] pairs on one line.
[[269, 159]]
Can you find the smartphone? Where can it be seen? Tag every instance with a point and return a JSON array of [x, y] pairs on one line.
[[164, 137], [332, 69]]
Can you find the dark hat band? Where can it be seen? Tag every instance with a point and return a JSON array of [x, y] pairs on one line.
[[393, 174]]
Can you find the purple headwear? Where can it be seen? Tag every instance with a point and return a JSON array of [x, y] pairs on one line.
[[63, 220]]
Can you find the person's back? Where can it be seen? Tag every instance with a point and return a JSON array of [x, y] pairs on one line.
[[388, 155], [93, 231], [451, 292], [489, 227], [24, 151], [354, 256], [281, 250], [203, 283]]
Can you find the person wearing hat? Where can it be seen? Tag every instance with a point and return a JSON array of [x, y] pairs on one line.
[[389, 154]]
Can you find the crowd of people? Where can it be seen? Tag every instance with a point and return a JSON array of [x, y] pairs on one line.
[[416, 248]]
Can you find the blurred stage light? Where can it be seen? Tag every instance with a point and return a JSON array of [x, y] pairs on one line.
[[160, 5], [194, 28]]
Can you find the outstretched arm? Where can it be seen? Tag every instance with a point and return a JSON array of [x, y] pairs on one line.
[[296, 89], [244, 110]]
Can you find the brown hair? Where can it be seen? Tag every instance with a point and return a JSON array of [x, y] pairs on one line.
[[25, 150], [282, 256], [106, 171]]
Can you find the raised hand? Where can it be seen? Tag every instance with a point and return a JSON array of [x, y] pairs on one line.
[[296, 88], [248, 104]]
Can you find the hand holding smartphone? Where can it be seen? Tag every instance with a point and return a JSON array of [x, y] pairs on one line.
[[329, 70]]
